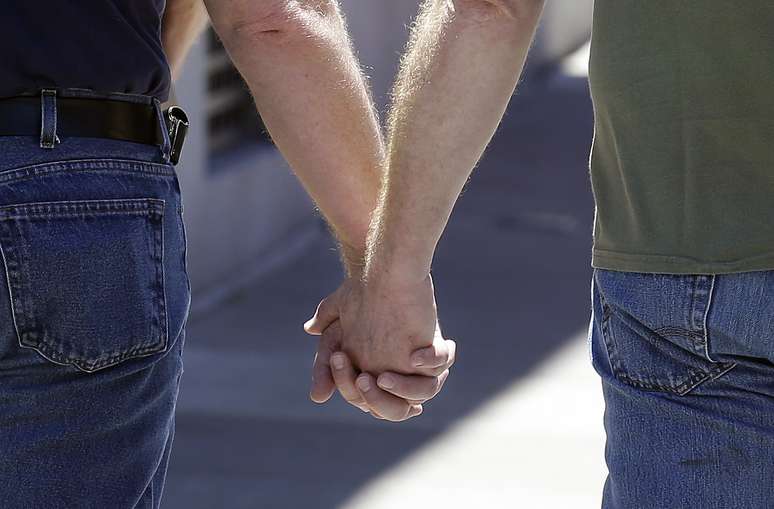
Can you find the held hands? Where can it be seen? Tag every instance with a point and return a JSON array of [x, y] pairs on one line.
[[381, 347]]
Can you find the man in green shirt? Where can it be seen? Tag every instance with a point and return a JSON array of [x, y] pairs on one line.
[[682, 169], [682, 164]]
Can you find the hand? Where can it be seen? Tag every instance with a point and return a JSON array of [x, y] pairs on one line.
[[405, 381], [394, 397], [383, 322]]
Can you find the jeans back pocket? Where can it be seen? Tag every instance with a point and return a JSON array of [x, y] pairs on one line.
[[653, 329], [86, 279]]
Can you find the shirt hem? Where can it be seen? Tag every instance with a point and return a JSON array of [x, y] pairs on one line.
[[666, 264]]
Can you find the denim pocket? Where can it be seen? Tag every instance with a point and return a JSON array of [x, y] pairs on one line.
[[86, 279], [651, 340]]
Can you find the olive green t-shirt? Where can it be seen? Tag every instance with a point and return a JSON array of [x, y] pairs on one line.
[[682, 165]]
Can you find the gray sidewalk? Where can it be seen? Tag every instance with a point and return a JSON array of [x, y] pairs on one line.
[[512, 276]]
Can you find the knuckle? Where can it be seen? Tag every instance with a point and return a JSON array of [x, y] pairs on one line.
[[394, 413], [436, 372], [405, 413], [442, 380], [354, 400], [452, 349], [322, 356], [327, 342], [443, 359], [433, 357], [324, 307]]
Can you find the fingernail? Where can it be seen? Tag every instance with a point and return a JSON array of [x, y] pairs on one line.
[[386, 381], [338, 361], [364, 384], [308, 323], [418, 362]]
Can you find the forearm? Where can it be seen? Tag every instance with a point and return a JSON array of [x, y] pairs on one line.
[[460, 70], [297, 61], [183, 21]]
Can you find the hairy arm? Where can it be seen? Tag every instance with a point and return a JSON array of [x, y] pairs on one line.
[[298, 62], [183, 21], [460, 70], [296, 58]]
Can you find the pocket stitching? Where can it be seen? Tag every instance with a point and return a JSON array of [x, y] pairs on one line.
[[65, 209], [693, 378], [146, 207], [85, 165]]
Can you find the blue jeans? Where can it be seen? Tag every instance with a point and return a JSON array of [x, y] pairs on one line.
[[687, 368], [94, 297]]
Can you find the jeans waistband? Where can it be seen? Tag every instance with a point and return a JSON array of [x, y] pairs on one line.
[[17, 151]]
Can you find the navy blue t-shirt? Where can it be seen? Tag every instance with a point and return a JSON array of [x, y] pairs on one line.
[[103, 45]]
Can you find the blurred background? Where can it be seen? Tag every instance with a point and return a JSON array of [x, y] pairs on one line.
[[519, 423]]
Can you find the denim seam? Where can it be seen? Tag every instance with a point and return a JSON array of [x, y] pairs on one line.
[[51, 354], [181, 225], [694, 339], [692, 305], [16, 304], [677, 331], [71, 215], [700, 299], [604, 322], [161, 288], [700, 296], [128, 205], [704, 322], [130, 165], [83, 208], [695, 376], [11, 296]]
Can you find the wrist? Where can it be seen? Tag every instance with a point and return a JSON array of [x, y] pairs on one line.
[[398, 250], [396, 268], [352, 259]]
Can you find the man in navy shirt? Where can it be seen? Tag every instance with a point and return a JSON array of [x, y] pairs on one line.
[[92, 318]]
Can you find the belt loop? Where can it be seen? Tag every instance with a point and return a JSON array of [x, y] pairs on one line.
[[166, 144], [48, 137]]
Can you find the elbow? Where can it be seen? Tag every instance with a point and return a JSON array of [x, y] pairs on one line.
[[280, 21], [498, 11]]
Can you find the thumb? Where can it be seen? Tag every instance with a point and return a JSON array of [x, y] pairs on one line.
[[327, 313]]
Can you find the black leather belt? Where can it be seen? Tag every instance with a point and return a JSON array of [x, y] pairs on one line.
[[98, 118]]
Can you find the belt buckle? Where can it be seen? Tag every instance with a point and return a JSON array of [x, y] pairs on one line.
[[177, 126]]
